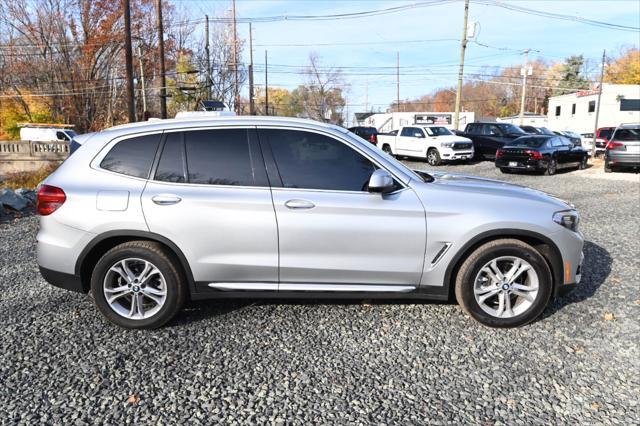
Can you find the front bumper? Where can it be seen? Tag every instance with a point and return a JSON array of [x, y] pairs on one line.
[[453, 155]]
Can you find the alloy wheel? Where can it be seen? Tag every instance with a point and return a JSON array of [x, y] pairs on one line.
[[506, 287], [432, 158], [135, 288]]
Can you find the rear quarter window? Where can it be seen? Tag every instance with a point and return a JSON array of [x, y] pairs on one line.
[[133, 156]]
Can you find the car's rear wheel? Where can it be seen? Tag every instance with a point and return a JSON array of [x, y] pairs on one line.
[[504, 283], [552, 167], [387, 149], [607, 167], [433, 157], [583, 163], [137, 285]]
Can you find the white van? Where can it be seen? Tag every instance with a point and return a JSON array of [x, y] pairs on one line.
[[46, 134]]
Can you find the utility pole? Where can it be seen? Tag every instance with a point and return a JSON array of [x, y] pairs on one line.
[[252, 105], [398, 80], [595, 126], [207, 55], [524, 71], [236, 93], [266, 84], [128, 61], [144, 93], [163, 78], [463, 47]]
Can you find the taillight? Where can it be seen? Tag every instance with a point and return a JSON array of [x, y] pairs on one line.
[[533, 154], [616, 146], [50, 198], [373, 139], [499, 153]]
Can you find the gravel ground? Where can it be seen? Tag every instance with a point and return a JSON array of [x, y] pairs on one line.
[[332, 362]]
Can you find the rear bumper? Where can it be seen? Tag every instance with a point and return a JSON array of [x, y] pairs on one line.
[[507, 163], [62, 280], [622, 158]]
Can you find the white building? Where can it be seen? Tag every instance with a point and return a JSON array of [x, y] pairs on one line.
[[388, 121], [620, 103], [529, 119]]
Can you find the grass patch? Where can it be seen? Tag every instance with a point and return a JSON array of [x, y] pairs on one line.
[[28, 180]]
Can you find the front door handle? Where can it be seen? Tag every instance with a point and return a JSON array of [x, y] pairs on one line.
[[299, 204], [166, 199]]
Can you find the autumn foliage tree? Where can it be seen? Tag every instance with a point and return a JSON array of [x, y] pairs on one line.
[[625, 69]]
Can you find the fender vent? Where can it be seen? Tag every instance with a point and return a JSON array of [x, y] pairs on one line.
[[440, 254]]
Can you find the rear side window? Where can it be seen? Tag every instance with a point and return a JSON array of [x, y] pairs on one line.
[[627, 135], [133, 156], [171, 167], [224, 157], [313, 161]]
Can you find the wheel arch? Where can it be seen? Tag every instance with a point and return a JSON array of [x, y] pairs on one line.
[[544, 245], [106, 241]]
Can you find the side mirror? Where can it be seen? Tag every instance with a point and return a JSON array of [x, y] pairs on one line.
[[381, 181]]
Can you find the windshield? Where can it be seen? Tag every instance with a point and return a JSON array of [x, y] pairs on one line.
[[511, 129], [628, 135], [529, 142], [546, 131], [605, 133], [438, 131]]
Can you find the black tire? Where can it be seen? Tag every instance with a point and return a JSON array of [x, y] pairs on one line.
[[583, 163], [552, 167], [163, 260], [464, 286], [607, 167], [505, 170], [433, 157], [386, 148]]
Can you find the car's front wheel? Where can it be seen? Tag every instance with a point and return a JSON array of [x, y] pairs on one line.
[[583, 163], [137, 284], [433, 157], [504, 283]]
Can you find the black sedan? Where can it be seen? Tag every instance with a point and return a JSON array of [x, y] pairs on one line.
[[541, 153]]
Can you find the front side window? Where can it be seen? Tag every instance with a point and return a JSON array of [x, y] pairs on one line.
[[313, 161], [133, 156], [491, 130], [407, 131], [222, 157]]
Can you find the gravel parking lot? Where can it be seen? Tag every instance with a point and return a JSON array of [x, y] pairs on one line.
[[332, 362]]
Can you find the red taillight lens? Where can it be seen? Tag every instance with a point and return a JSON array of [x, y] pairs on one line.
[[499, 153], [50, 198], [616, 146], [534, 154], [373, 139]]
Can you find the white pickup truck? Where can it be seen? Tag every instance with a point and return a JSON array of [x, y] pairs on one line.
[[435, 143]]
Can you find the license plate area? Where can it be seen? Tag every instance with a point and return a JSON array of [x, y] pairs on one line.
[[513, 164]]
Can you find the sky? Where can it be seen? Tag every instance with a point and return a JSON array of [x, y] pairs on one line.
[[426, 37]]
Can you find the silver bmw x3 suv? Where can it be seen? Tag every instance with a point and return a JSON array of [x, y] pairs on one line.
[[146, 216]]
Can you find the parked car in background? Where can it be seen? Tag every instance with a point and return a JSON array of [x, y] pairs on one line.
[[575, 138], [489, 137], [435, 143], [369, 134], [149, 215], [587, 143], [541, 153], [43, 133], [623, 148], [537, 130], [603, 134]]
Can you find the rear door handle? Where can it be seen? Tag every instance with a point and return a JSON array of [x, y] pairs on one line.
[[299, 204], [166, 199]]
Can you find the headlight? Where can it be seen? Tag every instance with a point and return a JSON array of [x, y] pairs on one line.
[[447, 144], [568, 218]]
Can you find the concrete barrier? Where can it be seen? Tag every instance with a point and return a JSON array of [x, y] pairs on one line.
[[29, 156]]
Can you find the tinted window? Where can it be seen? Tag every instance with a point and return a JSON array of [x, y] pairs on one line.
[[557, 111], [530, 142], [592, 106], [312, 161], [490, 129], [132, 156], [511, 129], [573, 108], [438, 131], [407, 131], [222, 157], [171, 164], [628, 135], [474, 129], [629, 104]]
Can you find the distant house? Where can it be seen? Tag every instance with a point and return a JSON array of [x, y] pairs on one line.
[[577, 111]]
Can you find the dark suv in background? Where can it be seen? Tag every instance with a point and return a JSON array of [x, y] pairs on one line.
[[489, 137], [369, 134]]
